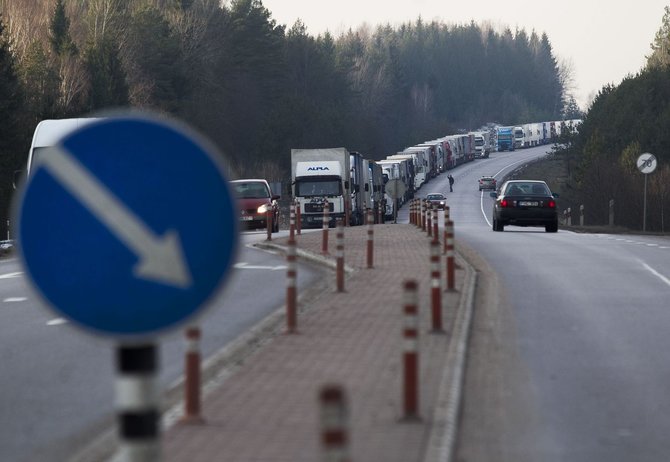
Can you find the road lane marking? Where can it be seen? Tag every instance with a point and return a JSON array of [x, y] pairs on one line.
[[57, 322], [655, 273], [11, 275], [15, 299], [481, 206], [244, 265]]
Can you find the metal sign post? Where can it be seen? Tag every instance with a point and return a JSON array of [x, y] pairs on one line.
[[646, 163], [127, 228]]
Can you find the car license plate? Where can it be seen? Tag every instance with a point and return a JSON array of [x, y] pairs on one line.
[[247, 218], [529, 203]]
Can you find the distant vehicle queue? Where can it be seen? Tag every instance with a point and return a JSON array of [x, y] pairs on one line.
[[348, 184], [533, 134]]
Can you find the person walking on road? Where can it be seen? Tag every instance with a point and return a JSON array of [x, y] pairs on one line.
[[451, 183]]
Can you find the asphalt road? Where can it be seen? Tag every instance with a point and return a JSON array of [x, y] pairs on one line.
[[57, 382], [569, 349]]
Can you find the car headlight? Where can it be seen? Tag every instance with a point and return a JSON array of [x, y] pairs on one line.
[[263, 208]]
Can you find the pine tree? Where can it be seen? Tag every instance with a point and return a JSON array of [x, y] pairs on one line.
[[59, 29], [660, 49], [12, 131]]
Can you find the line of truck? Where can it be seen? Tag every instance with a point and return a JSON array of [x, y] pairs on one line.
[[348, 183], [533, 134]]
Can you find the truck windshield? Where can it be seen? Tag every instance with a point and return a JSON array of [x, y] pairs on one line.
[[307, 188]]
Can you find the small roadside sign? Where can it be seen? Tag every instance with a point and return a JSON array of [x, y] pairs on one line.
[[395, 188], [646, 163], [128, 226]]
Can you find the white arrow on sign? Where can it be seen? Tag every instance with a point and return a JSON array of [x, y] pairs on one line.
[[160, 257]]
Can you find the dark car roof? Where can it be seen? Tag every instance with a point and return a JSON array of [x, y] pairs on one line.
[[526, 183]]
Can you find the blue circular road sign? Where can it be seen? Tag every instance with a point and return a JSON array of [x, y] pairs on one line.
[[127, 226]]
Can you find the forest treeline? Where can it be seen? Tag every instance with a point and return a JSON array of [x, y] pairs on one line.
[[623, 122], [257, 88]]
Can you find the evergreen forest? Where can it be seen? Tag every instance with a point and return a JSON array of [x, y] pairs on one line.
[[256, 88], [623, 122]]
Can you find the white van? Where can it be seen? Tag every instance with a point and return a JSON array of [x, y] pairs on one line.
[[50, 131]]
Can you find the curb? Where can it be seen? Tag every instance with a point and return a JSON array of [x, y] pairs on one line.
[[442, 438]]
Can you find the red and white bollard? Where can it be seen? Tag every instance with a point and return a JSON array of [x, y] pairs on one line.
[[269, 224], [446, 220], [334, 434], [192, 383], [435, 289], [429, 219], [339, 255], [298, 217], [412, 221], [370, 247], [291, 226], [291, 288], [423, 215], [411, 351], [326, 224], [436, 237], [417, 213], [451, 267]]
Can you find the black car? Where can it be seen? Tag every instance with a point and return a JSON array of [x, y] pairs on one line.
[[525, 203]]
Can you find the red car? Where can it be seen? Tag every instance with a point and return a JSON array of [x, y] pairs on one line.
[[255, 199]]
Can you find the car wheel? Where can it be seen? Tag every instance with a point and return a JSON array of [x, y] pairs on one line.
[[552, 228]]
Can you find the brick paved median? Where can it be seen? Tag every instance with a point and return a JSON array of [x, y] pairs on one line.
[[267, 410]]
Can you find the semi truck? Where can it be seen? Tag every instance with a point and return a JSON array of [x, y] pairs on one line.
[[519, 137], [481, 145], [361, 195], [505, 139], [323, 178]]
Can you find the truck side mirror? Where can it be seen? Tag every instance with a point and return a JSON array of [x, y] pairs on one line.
[[367, 187]]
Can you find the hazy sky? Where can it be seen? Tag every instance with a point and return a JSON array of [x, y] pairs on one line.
[[602, 40]]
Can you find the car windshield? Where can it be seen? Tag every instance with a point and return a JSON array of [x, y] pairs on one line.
[[252, 190], [530, 188], [434, 197]]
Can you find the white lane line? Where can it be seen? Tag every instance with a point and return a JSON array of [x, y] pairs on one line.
[[655, 273], [57, 322], [11, 275], [15, 299], [481, 206], [245, 265]]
